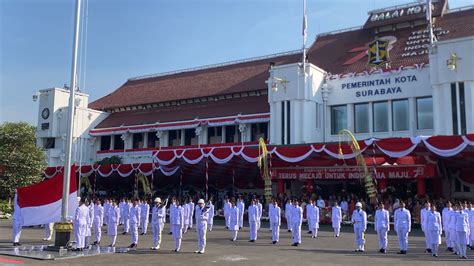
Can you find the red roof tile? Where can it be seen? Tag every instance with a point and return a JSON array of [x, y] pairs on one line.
[[221, 108]]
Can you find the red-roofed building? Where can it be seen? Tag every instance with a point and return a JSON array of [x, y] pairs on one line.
[[422, 89]]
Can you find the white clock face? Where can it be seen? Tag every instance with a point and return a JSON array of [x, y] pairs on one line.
[[45, 113]]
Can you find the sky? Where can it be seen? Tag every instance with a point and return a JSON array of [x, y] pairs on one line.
[[129, 38]]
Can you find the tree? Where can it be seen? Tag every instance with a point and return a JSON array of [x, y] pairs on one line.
[[22, 160]]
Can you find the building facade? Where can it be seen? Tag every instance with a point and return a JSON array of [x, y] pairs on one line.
[[423, 88]]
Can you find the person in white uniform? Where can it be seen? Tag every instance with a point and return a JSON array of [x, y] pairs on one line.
[[359, 220], [288, 210], [382, 226], [187, 214], [423, 215], [158, 215], [462, 231], [435, 229], [309, 210], [345, 206], [336, 219], [210, 221], [402, 226], [98, 221], [126, 217], [446, 215], [275, 221], [121, 206], [144, 214], [177, 224], [17, 222], [80, 224], [234, 220], [320, 203], [113, 222], [202, 216], [134, 222], [252, 213], [260, 212], [90, 219], [241, 206], [107, 205], [270, 206], [313, 218], [296, 221], [226, 208], [471, 225], [191, 212]]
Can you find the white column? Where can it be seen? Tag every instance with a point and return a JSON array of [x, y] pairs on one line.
[[223, 134], [181, 141], [145, 140]]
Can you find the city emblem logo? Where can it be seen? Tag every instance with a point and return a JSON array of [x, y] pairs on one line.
[[378, 52]]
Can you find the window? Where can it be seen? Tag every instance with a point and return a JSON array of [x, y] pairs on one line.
[[454, 108], [214, 135], [231, 134], [338, 118], [105, 143], [137, 140], [462, 107], [49, 143], [400, 115], [361, 118], [259, 130], [44, 126], [424, 113], [174, 137], [153, 141], [190, 136], [118, 142], [380, 110]]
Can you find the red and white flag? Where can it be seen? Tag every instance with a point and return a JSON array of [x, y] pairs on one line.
[[41, 203]]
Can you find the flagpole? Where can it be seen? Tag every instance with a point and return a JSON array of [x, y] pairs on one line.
[[304, 35], [429, 17], [70, 121]]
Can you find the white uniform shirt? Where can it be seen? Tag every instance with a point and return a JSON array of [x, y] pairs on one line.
[[144, 211], [321, 203], [201, 215], [113, 215], [260, 209], [359, 218], [471, 220], [433, 222], [158, 214], [134, 215], [462, 221], [234, 218], [253, 213], [424, 213], [382, 220], [211, 212], [82, 215], [309, 211], [177, 216], [296, 215], [345, 206], [240, 205], [288, 208], [336, 214], [227, 207], [402, 219], [275, 215], [98, 214], [445, 215]]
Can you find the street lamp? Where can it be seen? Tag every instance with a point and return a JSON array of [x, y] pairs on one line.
[[276, 81], [452, 62]]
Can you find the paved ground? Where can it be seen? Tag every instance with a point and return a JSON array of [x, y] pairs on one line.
[[325, 250]]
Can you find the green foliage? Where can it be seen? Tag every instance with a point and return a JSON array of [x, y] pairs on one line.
[[6, 207], [24, 162], [110, 160]]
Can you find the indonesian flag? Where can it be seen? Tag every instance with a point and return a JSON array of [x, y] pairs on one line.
[[41, 203]]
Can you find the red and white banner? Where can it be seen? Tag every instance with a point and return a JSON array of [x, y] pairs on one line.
[[343, 173], [41, 203]]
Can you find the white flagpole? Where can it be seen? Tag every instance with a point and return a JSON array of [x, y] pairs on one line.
[[429, 18], [305, 26], [70, 121]]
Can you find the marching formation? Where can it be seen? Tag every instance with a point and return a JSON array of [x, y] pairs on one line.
[[456, 221]]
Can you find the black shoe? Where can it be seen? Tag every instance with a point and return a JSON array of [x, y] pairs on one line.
[[295, 244], [400, 252], [95, 243], [170, 233], [383, 251], [357, 250], [289, 231], [142, 234], [309, 232], [226, 227], [252, 240], [274, 242], [435, 255], [240, 228], [124, 233], [360, 250]]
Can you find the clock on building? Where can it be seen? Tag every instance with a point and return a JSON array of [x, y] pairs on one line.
[[45, 113]]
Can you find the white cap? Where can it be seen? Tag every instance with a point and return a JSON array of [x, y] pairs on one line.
[[200, 201], [157, 200], [78, 198], [358, 204]]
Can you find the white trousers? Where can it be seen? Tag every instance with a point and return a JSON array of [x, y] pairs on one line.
[[191, 221], [434, 249], [275, 227], [144, 224], [471, 237], [253, 230], [97, 232], [296, 229], [382, 236], [447, 235], [258, 224], [126, 225], [461, 243], [210, 224], [134, 233], [227, 220], [337, 231], [157, 229], [359, 238], [113, 239], [314, 232], [16, 232], [80, 235], [288, 222], [48, 230], [241, 221], [402, 234], [201, 230], [234, 234], [427, 239]]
